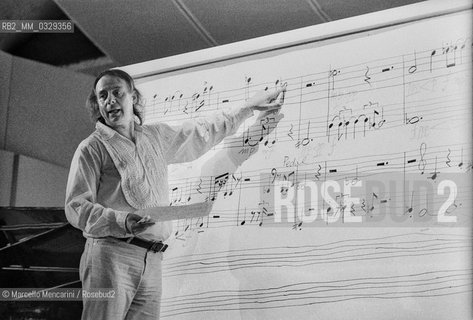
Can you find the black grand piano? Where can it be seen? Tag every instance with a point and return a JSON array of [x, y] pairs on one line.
[[39, 249]]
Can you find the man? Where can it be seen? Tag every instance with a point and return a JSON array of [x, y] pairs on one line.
[[120, 169]]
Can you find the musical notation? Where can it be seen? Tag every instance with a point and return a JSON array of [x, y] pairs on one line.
[[418, 166], [363, 142]]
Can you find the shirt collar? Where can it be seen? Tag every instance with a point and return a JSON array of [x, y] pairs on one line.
[[107, 133]]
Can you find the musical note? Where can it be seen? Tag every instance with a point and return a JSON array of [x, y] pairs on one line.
[[452, 207], [232, 186], [435, 173], [297, 225], [155, 100], [354, 180], [199, 223], [244, 218], [341, 206], [462, 48], [174, 198], [167, 100], [469, 166], [447, 51], [306, 139], [364, 124], [413, 68], [212, 195], [178, 95], [267, 188], [461, 159], [207, 92], [255, 214], [268, 124], [371, 207], [410, 209], [291, 176], [341, 122], [220, 181], [248, 139], [247, 87], [189, 191], [329, 128], [197, 101], [431, 58], [422, 212], [375, 106], [331, 76], [380, 123], [411, 120]]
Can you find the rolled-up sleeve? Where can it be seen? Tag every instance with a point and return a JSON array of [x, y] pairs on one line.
[[195, 137], [81, 207]]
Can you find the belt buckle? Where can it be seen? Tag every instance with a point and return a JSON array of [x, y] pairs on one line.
[[155, 245]]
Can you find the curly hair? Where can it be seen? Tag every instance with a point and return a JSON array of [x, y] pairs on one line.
[[92, 103]]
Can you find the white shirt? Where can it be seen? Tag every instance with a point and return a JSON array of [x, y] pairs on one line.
[[111, 176]]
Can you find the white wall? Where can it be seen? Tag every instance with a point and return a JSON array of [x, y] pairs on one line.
[[42, 120], [46, 114], [5, 74], [6, 177], [39, 183]]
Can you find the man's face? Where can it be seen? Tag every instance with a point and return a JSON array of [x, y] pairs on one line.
[[115, 101]]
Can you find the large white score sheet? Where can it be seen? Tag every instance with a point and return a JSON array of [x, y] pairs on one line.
[[390, 108]]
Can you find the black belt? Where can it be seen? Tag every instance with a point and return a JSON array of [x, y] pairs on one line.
[[154, 246]]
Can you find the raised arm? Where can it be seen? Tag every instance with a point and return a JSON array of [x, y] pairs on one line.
[[194, 138]]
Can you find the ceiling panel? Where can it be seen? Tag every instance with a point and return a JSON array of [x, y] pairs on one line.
[[230, 21], [340, 9], [25, 10], [129, 32], [134, 31]]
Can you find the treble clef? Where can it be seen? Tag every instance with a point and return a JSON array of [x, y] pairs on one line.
[[422, 162]]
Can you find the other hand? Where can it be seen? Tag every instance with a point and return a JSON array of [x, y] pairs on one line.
[[136, 224]]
